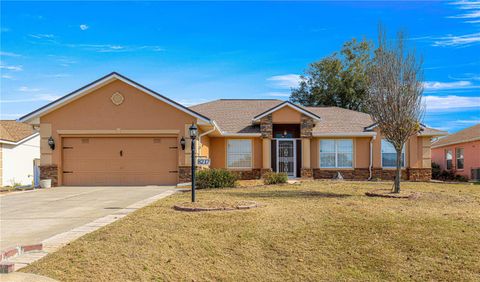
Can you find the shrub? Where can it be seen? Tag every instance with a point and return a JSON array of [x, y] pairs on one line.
[[215, 178], [436, 171], [450, 175], [275, 178]]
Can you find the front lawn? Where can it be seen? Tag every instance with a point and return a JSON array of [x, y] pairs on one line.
[[320, 230]]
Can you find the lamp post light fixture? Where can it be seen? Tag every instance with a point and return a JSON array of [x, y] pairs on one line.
[[193, 135]]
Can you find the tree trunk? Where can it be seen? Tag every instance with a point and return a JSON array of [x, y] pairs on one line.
[[398, 173]]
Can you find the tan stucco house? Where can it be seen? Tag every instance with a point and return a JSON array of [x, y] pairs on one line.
[[115, 131]]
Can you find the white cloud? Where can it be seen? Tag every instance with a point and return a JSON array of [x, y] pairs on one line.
[[28, 89], [457, 40], [42, 36], [470, 15], [12, 68], [6, 76], [277, 94], [191, 102], [56, 75], [285, 81], [44, 97], [10, 115], [9, 54], [451, 103], [437, 85], [84, 27]]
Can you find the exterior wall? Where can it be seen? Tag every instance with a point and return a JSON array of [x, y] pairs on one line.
[[95, 111], [417, 157], [286, 115], [17, 161], [218, 152], [1, 164], [471, 154]]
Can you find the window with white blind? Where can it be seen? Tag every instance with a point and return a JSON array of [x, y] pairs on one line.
[[389, 155], [449, 158], [239, 153], [336, 153]]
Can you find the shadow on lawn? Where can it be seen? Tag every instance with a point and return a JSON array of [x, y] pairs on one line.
[[289, 194]]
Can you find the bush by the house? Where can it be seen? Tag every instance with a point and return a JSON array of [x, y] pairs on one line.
[[436, 171], [215, 178], [275, 178], [446, 175]]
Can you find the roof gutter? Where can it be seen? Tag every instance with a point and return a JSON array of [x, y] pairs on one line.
[[20, 141], [454, 142]]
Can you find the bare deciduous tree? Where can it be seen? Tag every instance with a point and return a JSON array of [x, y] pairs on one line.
[[395, 94]]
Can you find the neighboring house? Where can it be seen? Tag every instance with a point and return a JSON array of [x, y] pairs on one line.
[[19, 153], [115, 131], [459, 152]]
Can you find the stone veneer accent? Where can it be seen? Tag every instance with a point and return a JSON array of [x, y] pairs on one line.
[[419, 174], [266, 126], [255, 173], [306, 126], [306, 173], [185, 173], [412, 174], [49, 172]]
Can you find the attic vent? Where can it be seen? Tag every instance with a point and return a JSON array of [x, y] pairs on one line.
[[85, 140], [157, 140]]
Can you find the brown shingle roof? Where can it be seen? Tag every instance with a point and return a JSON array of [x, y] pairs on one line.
[[13, 131], [339, 120], [236, 115], [468, 134]]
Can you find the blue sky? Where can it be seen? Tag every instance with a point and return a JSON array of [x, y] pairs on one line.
[[194, 52]]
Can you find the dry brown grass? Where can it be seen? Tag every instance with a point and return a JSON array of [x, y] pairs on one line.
[[314, 231]]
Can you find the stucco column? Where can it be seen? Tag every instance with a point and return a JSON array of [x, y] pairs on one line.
[[266, 153], [306, 153]]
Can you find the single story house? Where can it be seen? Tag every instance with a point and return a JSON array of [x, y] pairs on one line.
[[115, 131], [19, 153], [459, 152]]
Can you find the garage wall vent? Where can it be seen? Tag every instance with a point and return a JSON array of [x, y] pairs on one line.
[[85, 140], [157, 140]]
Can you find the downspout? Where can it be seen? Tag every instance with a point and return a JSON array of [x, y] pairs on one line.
[[371, 158], [205, 133]]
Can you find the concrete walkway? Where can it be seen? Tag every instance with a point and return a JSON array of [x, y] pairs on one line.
[[31, 217]]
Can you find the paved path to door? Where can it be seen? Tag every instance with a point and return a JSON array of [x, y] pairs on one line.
[[31, 217]]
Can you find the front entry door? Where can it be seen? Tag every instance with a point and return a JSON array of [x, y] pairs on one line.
[[286, 159]]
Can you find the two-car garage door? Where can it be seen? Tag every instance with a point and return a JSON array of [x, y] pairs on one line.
[[120, 161]]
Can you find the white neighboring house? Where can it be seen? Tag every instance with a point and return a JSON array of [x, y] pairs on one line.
[[19, 153]]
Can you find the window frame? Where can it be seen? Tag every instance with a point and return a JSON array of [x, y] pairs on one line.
[[336, 153], [227, 154], [404, 155], [451, 159], [457, 158]]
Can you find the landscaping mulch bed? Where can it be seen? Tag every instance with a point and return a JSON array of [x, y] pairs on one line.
[[215, 205], [386, 193]]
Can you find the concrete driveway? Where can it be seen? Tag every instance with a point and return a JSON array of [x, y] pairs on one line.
[[31, 217]]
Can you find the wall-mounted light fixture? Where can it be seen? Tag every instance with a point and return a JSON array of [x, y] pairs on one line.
[[182, 143], [51, 143]]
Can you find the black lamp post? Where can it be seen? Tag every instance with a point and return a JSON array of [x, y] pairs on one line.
[[193, 135]]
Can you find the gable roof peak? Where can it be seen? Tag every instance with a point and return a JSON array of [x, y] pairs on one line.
[[287, 104], [99, 83]]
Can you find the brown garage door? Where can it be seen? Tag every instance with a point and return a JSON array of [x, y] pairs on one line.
[[119, 161]]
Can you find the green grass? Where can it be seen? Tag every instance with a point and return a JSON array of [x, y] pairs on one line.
[[320, 230]]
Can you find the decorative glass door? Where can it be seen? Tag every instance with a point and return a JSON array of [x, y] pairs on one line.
[[286, 157]]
